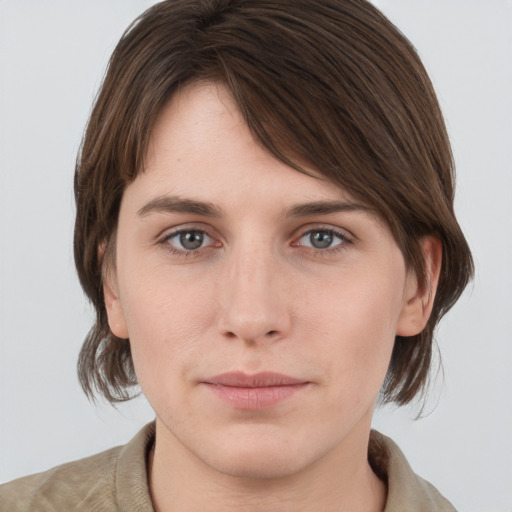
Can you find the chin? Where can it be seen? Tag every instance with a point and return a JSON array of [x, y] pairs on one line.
[[263, 454], [257, 464]]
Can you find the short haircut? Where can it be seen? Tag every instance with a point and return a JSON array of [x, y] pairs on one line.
[[330, 85]]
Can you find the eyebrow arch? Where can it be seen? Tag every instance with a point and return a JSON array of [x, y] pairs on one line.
[[173, 204], [325, 208]]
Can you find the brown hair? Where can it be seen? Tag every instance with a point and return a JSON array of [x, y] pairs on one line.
[[327, 84]]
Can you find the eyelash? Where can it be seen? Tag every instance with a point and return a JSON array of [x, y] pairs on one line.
[[164, 242], [345, 239], [328, 251]]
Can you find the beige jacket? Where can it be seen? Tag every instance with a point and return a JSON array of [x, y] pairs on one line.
[[116, 480]]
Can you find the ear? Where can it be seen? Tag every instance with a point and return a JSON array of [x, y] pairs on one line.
[[115, 313], [419, 297]]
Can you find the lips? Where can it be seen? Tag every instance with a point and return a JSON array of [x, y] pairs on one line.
[[252, 392]]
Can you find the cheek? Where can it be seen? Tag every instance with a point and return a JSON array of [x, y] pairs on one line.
[[167, 317], [355, 327]]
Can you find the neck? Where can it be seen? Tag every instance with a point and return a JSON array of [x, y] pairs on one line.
[[340, 481]]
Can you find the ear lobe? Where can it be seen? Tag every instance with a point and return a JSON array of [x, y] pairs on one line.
[[419, 297], [115, 314]]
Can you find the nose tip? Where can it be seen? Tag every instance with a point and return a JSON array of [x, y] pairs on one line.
[[250, 330], [252, 311]]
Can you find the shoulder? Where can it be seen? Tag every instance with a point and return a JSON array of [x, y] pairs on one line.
[[406, 490], [100, 482], [64, 486]]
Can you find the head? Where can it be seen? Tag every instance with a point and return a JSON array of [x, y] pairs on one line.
[[330, 89]]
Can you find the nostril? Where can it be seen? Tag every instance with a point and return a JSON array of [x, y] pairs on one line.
[[271, 333]]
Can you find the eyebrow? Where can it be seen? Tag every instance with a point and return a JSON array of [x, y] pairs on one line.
[[325, 208], [173, 204]]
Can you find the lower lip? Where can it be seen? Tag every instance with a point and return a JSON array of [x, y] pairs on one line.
[[255, 398]]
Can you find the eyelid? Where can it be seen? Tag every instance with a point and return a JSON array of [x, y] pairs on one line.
[[163, 238], [169, 233], [342, 233], [346, 240]]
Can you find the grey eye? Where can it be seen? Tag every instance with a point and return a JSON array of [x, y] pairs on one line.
[[321, 239], [189, 240]]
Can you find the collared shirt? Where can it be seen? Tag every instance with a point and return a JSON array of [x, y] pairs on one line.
[[117, 480]]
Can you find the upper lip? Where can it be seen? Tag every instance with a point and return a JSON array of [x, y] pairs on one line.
[[257, 380]]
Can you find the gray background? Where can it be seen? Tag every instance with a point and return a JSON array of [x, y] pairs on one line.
[[52, 59]]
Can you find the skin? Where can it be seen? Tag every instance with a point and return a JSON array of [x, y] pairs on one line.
[[255, 295]]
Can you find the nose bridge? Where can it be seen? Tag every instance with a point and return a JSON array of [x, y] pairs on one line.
[[252, 308]]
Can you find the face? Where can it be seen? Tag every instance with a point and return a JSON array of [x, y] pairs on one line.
[[261, 304]]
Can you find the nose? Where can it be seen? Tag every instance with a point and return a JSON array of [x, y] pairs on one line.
[[253, 303]]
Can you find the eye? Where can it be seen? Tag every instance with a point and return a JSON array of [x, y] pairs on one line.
[[322, 239], [188, 240]]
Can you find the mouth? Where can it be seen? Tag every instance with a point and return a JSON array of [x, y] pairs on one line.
[[252, 392]]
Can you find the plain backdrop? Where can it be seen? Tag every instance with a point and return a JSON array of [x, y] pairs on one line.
[[52, 59]]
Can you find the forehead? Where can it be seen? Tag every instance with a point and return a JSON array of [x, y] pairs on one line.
[[201, 145]]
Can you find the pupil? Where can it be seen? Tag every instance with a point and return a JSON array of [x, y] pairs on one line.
[[321, 239], [191, 240]]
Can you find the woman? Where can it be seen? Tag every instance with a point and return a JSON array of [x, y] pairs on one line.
[[265, 227]]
